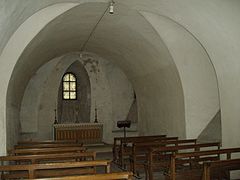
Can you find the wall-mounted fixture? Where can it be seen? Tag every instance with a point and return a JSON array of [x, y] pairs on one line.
[[111, 7]]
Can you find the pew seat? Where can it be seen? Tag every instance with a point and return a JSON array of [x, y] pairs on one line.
[[109, 176]]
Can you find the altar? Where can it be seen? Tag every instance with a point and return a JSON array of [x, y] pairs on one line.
[[82, 132]]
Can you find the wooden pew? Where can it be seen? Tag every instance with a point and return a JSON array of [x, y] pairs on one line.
[[119, 140], [53, 169], [160, 158], [47, 145], [126, 147], [139, 152], [193, 163], [109, 176], [32, 159], [220, 169], [47, 150], [45, 142]]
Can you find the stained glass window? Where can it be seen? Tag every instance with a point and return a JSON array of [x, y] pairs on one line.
[[69, 84]]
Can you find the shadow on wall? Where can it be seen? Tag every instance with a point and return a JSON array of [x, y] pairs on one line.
[[133, 111], [213, 131]]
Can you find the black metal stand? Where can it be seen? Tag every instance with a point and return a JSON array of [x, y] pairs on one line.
[[124, 124]]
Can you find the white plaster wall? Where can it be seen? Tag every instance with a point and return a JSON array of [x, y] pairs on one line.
[[121, 93], [41, 95], [111, 94], [149, 64], [197, 74], [48, 98], [11, 53], [32, 97], [214, 23], [101, 95]]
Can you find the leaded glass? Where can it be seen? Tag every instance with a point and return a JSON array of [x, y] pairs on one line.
[[72, 78], [66, 86], [65, 95], [66, 77], [69, 86], [72, 95], [72, 86]]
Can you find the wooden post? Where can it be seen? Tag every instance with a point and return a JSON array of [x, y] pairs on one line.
[[150, 165], [173, 168], [31, 173], [206, 171]]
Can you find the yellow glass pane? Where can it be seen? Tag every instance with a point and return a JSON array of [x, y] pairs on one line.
[[72, 78], [66, 77], [66, 86], [72, 86], [65, 95], [72, 95]]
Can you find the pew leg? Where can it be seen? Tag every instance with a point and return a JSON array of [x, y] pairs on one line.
[[31, 174], [114, 155], [94, 170], [108, 169], [146, 172], [150, 173]]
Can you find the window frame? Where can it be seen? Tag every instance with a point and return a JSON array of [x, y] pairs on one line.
[[69, 91]]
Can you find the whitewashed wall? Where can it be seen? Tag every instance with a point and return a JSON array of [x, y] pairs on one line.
[[111, 94]]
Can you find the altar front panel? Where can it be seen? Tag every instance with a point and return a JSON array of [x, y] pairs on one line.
[[82, 132]]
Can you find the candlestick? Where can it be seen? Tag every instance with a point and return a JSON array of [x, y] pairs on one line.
[[55, 118], [96, 116]]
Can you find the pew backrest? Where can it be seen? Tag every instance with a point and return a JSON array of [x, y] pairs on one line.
[[28, 146], [57, 168], [117, 140], [195, 147], [125, 148], [77, 156], [140, 150], [47, 150], [46, 142], [145, 146]]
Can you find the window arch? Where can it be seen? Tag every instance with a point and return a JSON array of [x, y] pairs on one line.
[[69, 84]]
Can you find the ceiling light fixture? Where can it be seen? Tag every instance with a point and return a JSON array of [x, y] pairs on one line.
[[111, 7]]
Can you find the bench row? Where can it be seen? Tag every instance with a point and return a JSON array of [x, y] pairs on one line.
[[161, 153]]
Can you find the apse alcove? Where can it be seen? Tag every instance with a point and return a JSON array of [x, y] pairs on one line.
[[75, 106]]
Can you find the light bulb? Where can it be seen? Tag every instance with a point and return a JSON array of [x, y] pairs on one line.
[[111, 7]]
